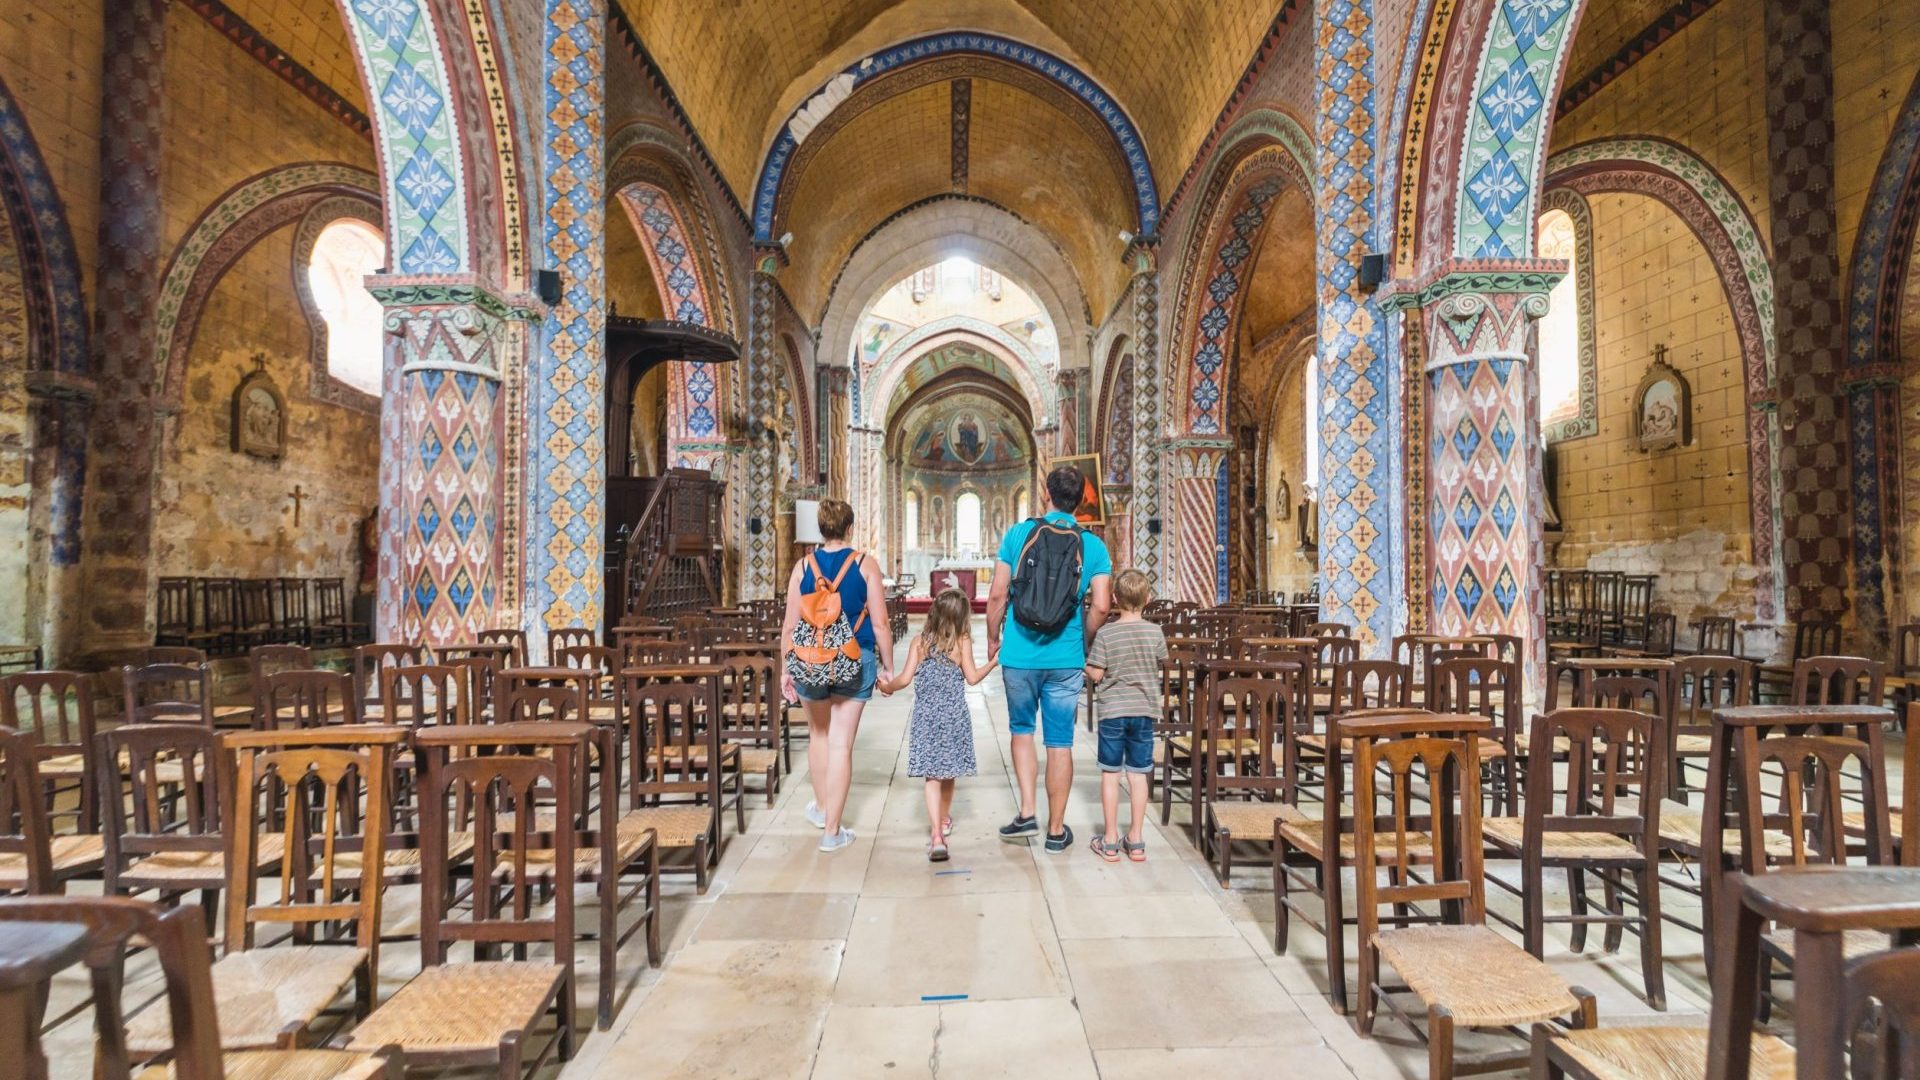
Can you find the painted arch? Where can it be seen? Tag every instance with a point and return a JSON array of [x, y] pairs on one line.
[[1028, 373]]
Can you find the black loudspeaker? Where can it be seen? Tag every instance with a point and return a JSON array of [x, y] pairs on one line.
[[754, 526], [547, 284], [1373, 270], [1153, 526]]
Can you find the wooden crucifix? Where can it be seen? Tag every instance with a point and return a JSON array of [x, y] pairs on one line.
[[298, 495]]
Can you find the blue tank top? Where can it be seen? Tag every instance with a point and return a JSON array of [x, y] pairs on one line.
[[853, 589]]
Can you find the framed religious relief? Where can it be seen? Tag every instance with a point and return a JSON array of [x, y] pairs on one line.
[[1093, 500], [1662, 407], [259, 415]]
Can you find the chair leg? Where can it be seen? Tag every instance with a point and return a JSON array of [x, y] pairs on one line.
[[510, 1056], [1652, 959], [1439, 1043], [740, 800], [1166, 787], [1369, 963], [1224, 841], [653, 906], [1541, 1064], [1280, 919], [609, 939], [1577, 897], [1611, 894], [1533, 904], [1335, 900], [700, 865]]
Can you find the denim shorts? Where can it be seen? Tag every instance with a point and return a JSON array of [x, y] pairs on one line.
[[1126, 744], [859, 689], [1050, 695]]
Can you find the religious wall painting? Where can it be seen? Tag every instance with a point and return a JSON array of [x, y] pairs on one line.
[[1662, 407], [259, 415], [874, 337], [967, 439], [1092, 510]]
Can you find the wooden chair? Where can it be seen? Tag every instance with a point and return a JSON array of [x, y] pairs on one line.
[[332, 623], [219, 615], [177, 938], [266, 660], [171, 654], [167, 694], [1716, 635], [423, 696], [54, 710], [603, 691], [480, 673], [512, 638], [1839, 680], [1247, 722], [168, 834], [32, 859], [1696, 686], [1328, 629], [1466, 974], [750, 708], [567, 637], [1487, 687], [173, 611], [307, 699], [1604, 820], [1811, 637], [329, 787], [369, 661], [1218, 745], [253, 622], [672, 784], [483, 1013], [1179, 688], [1654, 637], [293, 623]]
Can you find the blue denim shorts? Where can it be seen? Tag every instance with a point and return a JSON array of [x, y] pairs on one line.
[[1126, 744], [860, 689], [1049, 695]]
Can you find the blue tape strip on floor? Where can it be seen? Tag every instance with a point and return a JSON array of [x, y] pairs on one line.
[[942, 997], [949, 873]]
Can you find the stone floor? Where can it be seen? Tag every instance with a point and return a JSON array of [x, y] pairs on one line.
[[799, 964]]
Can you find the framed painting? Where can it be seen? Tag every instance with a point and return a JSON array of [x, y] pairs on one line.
[[1092, 510], [1662, 407]]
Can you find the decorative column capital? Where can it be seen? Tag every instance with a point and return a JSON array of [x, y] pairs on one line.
[[1196, 459], [1479, 309], [839, 379], [447, 324]]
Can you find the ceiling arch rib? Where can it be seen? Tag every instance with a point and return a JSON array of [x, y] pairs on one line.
[[1021, 365]]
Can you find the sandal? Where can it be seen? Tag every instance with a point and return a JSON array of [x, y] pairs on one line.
[[1135, 851], [936, 853], [1109, 852], [946, 826]]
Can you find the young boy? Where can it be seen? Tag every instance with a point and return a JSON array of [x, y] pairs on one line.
[[1125, 664]]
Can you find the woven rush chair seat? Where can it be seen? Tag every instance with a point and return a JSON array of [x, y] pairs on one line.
[[758, 759], [1484, 979], [1693, 744], [460, 1008], [261, 996], [1217, 745], [1304, 833], [74, 766], [232, 715], [1680, 826], [397, 864], [1510, 834], [1853, 943], [1492, 749], [628, 841], [182, 869], [673, 826], [1662, 1053], [694, 756], [1561, 745], [288, 1065], [72, 855], [1251, 820], [1856, 822]]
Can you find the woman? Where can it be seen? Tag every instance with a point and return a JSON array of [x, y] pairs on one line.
[[833, 713]]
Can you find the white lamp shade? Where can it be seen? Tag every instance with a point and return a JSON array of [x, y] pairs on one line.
[[806, 522]]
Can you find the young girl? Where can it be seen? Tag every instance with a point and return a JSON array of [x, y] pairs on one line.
[[940, 735]]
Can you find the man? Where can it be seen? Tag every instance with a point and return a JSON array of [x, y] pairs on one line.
[[1044, 669]]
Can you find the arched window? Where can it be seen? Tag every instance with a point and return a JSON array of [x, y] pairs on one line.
[[966, 522], [1021, 510], [1569, 405], [910, 527], [345, 252]]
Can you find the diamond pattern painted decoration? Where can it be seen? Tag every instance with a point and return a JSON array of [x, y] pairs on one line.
[[1214, 337], [1525, 47], [1479, 547], [693, 405]]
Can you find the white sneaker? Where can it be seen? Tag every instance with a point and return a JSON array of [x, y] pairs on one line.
[[816, 817], [836, 841]]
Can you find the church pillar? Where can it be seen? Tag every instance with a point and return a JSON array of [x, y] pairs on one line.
[[1070, 391], [55, 468], [838, 407], [868, 467], [441, 427], [1197, 470], [566, 435], [1809, 325], [1148, 420], [118, 544], [1480, 462], [757, 500]]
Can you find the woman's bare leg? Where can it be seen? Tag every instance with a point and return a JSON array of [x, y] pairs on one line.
[[819, 719], [839, 765], [936, 808]]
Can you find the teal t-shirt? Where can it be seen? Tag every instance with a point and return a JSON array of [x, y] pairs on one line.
[[1020, 647]]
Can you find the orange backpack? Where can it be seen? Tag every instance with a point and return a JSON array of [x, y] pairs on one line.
[[826, 651]]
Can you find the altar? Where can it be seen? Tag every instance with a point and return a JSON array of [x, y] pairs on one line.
[[963, 574]]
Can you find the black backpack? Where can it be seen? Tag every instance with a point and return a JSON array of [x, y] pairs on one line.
[[1046, 581]]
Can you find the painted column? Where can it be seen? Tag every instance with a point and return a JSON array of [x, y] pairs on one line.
[[60, 405], [868, 465], [839, 417], [1358, 486], [440, 485], [757, 500], [1482, 543], [118, 537], [1195, 468], [1809, 323], [566, 433], [1070, 392], [1148, 419]]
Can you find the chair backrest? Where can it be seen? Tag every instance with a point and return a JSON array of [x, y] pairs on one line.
[[666, 734], [177, 938], [1613, 781], [293, 602], [1906, 649], [480, 673], [1389, 775], [535, 702], [1716, 635], [1603, 591], [1479, 685], [168, 694], [1329, 655], [1815, 637], [264, 660], [1179, 681], [750, 700], [1371, 684], [1838, 680], [329, 600], [1818, 776], [1328, 629], [1697, 685], [254, 597], [54, 709], [647, 652], [173, 607], [218, 603], [1609, 690], [171, 654], [24, 830], [1660, 630], [497, 785], [1883, 994], [176, 782], [509, 636], [370, 660], [1259, 710], [330, 788], [427, 695], [567, 637], [1636, 597], [306, 699]]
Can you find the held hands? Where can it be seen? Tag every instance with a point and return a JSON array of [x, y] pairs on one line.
[[788, 692]]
